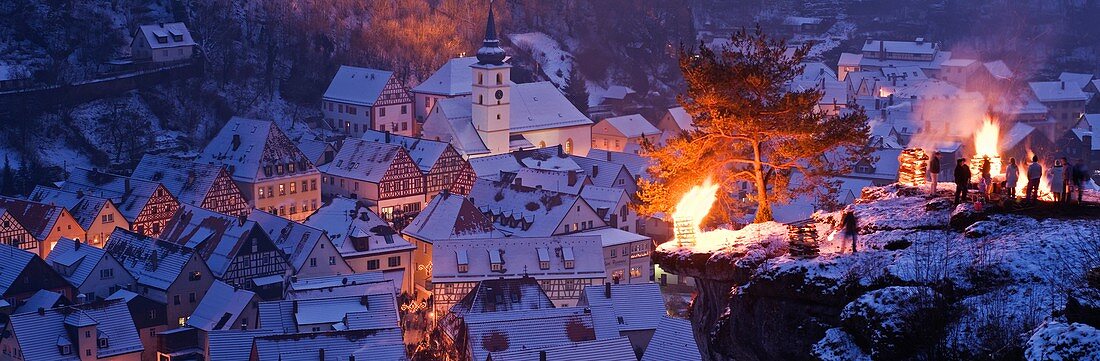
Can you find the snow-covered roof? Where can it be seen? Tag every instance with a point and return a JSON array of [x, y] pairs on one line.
[[221, 307], [535, 329], [315, 150], [937, 61], [682, 118], [355, 284], [673, 341], [44, 299], [81, 259], [291, 316], [456, 122], [383, 344], [166, 35], [612, 349], [217, 237], [233, 345], [637, 306], [535, 212], [540, 105], [959, 62], [359, 86], [425, 153], [503, 294], [1057, 91], [84, 208], [40, 335], [611, 236], [450, 216], [295, 239], [551, 180], [152, 262], [801, 20], [129, 194], [630, 126], [849, 59], [251, 149], [1091, 122], [365, 161], [520, 257], [343, 229], [453, 78], [998, 69], [602, 172], [906, 47], [637, 165], [904, 72], [12, 263], [189, 181], [37, 218], [608, 198], [1015, 135], [1078, 79], [617, 92]]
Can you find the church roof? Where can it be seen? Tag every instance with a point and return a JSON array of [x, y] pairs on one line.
[[452, 79]]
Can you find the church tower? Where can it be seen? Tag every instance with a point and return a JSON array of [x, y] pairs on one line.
[[491, 90]]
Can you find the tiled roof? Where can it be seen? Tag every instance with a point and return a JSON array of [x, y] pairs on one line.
[[295, 239], [673, 341], [336, 345], [217, 237], [38, 218], [682, 118], [1056, 91], [129, 194], [359, 86], [362, 160], [503, 294], [636, 306], [233, 345], [551, 180], [315, 149], [85, 209], [450, 216], [520, 256], [292, 316], [12, 263], [189, 181], [167, 31], [425, 153], [538, 212], [356, 284], [457, 125], [634, 163], [612, 349], [38, 335], [152, 262], [44, 299], [81, 259], [333, 218], [910, 47], [220, 308], [246, 146], [533, 329], [451, 79], [540, 105], [611, 236]]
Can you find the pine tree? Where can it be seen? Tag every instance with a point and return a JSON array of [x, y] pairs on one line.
[[8, 179], [752, 129], [576, 90]]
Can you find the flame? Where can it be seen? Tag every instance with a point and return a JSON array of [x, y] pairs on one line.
[[694, 206], [986, 147], [1044, 181]]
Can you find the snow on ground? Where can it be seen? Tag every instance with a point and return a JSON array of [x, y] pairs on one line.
[[838, 345], [1057, 341], [752, 243], [840, 32], [553, 61]]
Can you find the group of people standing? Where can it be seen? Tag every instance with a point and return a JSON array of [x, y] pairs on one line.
[[1065, 179]]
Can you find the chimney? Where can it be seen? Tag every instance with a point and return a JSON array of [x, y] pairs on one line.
[[236, 141], [241, 219], [542, 355], [1063, 85], [41, 311], [321, 354], [76, 244], [294, 306], [882, 50], [387, 132], [595, 171], [80, 194], [126, 183], [81, 298], [572, 178], [607, 290]]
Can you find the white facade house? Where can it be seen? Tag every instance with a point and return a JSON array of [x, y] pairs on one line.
[[164, 42], [451, 80], [499, 116]]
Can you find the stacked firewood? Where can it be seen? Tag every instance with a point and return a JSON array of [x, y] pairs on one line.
[[803, 240], [912, 167]]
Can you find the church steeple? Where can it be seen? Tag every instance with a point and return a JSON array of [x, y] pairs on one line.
[[490, 53]]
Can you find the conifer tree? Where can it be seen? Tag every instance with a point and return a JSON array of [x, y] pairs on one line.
[[752, 129], [576, 90]]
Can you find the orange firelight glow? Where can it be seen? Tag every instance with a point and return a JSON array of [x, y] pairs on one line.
[[985, 147]]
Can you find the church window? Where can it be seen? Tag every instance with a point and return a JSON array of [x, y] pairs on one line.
[[500, 79], [480, 78], [569, 146], [481, 99]]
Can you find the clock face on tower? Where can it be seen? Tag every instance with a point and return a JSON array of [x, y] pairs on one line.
[[499, 94]]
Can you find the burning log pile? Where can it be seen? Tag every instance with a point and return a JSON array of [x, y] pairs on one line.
[[912, 167]]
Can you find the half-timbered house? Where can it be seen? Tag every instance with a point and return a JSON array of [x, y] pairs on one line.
[[309, 250], [365, 240], [23, 273], [96, 215], [146, 205], [270, 170], [237, 250], [199, 184], [382, 174], [34, 226], [172, 275], [94, 272], [361, 99], [442, 166], [447, 216]]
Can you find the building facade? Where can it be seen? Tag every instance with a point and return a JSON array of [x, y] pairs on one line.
[[361, 99]]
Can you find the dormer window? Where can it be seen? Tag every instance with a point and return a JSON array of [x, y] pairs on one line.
[[463, 261], [65, 349], [290, 167], [496, 262], [567, 256], [177, 38], [162, 39], [103, 342], [544, 258]]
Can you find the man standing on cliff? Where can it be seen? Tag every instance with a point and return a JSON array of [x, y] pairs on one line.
[[851, 229]]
